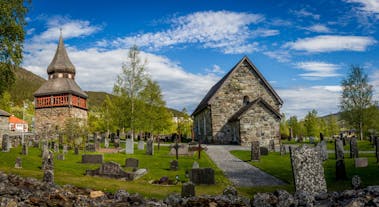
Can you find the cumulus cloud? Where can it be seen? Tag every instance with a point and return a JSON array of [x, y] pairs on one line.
[[320, 28], [223, 30], [370, 7], [317, 70], [279, 55], [299, 101], [374, 81], [331, 43], [305, 13]]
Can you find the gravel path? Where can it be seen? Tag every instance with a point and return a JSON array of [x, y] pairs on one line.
[[239, 172]]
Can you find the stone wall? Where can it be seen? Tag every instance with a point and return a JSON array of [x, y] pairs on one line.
[[259, 124], [203, 126], [56, 117]]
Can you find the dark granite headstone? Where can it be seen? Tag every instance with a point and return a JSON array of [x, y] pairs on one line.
[[338, 149], [94, 159], [321, 137], [76, 150], [340, 170], [150, 147], [202, 176], [132, 162], [255, 152], [307, 170], [114, 170], [353, 148], [263, 150], [48, 176], [6, 143], [188, 190], [174, 165], [90, 147], [25, 149]]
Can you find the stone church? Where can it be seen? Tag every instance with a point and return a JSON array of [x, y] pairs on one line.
[[60, 97], [242, 107]]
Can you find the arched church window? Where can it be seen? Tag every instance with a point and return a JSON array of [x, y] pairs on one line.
[[246, 100]]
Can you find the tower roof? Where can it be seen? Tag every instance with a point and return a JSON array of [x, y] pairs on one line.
[[61, 63]]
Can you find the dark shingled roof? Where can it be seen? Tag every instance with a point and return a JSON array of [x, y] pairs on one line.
[[60, 86], [205, 102], [257, 101], [61, 63], [4, 113]]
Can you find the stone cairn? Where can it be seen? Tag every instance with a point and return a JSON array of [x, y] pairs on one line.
[[255, 151], [307, 170], [353, 148], [340, 163]]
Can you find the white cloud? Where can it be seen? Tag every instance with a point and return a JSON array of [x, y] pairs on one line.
[[317, 70], [305, 13], [374, 81], [279, 55], [224, 30], [367, 6], [320, 28], [299, 101], [331, 43]]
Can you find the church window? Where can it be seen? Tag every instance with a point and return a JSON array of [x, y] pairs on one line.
[[246, 100]]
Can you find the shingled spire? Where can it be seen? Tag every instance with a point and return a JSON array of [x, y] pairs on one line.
[[61, 62]]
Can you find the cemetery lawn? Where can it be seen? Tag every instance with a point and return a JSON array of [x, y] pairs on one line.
[[280, 167], [71, 171]]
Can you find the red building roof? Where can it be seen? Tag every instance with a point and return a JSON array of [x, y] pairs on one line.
[[15, 120]]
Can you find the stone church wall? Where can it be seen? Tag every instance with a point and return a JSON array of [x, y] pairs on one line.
[[203, 126], [50, 118], [259, 124]]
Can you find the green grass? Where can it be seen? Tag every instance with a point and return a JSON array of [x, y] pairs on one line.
[[280, 167], [363, 145], [71, 171]]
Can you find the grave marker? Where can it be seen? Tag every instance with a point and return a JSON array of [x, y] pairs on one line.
[[114, 170], [48, 176], [255, 151], [271, 145], [174, 165], [340, 170], [6, 143], [307, 170], [106, 142], [60, 156], [132, 162], [282, 150], [322, 147], [199, 148], [353, 148], [129, 148], [188, 190], [339, 151], [377, 149], [263, 150], [202, 176], [94, 159], [25, 150], [141, 145], [361, 162], [150, 147]]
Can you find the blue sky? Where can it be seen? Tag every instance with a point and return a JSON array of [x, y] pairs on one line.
[[303, 48]]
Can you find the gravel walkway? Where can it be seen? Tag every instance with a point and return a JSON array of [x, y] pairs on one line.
[[239, 172]]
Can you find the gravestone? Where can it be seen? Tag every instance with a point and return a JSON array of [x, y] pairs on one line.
[[340, 170], [106, 142], [356, 182], [311, 140], [45, 151], [150, 147], [282, 150], [307, 170], [129, 148], [188, 190], [48, 176], [76, 150], [6, 143], [114, 170], [263, 150], [25, 150], [116, 142], [353, 148], [141, 145], [93, 159], [202, 176], [377, 149], [56, 147], [255, 152], [271, 145], [132, 162], [322, 147], [64, 149], [18, 163], [174, 165], [360, 162], [192, 147], [195, 165], [60, 156], [338, 149], [90, 147], [48, 162], [321, 137]]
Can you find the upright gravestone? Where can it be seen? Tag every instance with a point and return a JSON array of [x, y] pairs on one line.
[[353, 148], [129, 148], [195, 165], [6, 143], [307, 170], [116, 142], [141, 145], [322, 147], [45, 151], [255, 152], [56, 147], [338, 150], [25, 149], [282, 150], [60, 156], [263, 150], [150, 147], [64, 149], [311, 140], [188, 190], [174, 165], [18, 163], [202, 176], [271, 145], [76, 150], [132, 162], [106, 142], [321, 137], [377, 149]]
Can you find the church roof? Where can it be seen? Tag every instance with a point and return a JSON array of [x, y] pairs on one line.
[[61, 63], [4, 113], [248, 106], [205, 102], [59, 86]]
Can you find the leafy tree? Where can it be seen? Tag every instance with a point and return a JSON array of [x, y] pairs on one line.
[[356, 97], [311, 124], [284, 128], [12, 34], [332, 127], [130, 83], [294, 125], [5, 101]]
